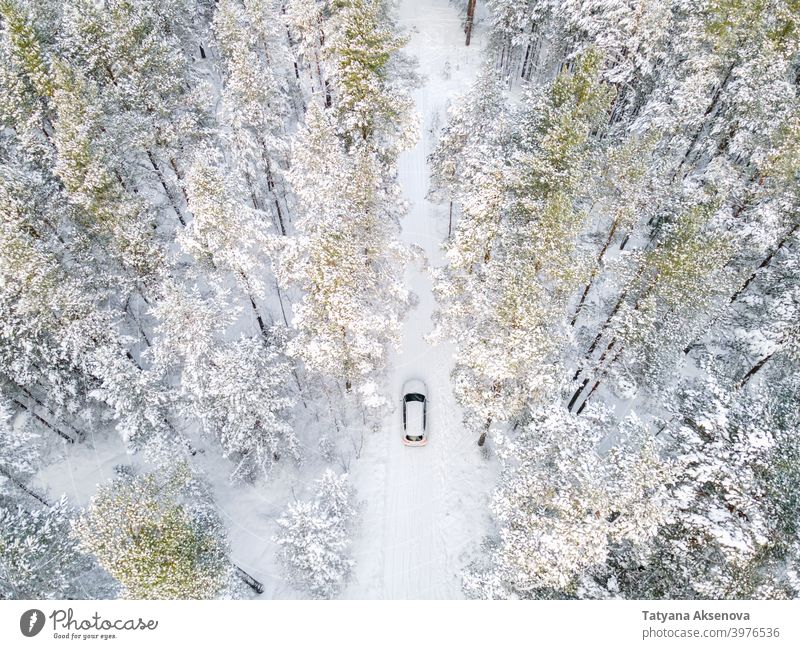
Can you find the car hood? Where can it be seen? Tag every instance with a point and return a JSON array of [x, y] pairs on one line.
[[415, 385]]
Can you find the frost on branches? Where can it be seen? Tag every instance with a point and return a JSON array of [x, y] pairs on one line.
[[514, 261], [344, 258], [159, 535], [563, 500], [315, 536]]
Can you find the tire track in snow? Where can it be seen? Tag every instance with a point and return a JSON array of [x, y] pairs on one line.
[[416, 560], [425, 511]]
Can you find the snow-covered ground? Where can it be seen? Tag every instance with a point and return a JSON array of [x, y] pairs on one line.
[[426, 508]]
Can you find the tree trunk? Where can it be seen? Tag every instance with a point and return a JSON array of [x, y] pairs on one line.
[[249, 580], [261, 325], [711, 107], [271, 187], [526, 59], [577, 394], [766, 262], [179, 175], [587, 379], [753, 370], [257, 313], [482, 438], [470, 20], [330, 408], [598, 382], [450, 221], [594, 271], [164, 186], [22, 487], [43, 421], [599, 335], [139, 326]]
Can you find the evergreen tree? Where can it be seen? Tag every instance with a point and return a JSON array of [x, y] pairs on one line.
[[343, 258], [40, 559], [562, 501], [20, 450], [363, 51], [504, 299], [159, 536], [256, 100], [314, 538], [236, 389]]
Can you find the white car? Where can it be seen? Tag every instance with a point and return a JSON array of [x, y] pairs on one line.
[[415, 413]]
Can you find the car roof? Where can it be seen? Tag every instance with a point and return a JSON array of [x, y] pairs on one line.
[[414, 418], [415, 386]]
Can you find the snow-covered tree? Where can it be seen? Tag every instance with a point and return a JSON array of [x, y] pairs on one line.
[[225, 233], [109, 211], [256, 99], [732, 530], [462, 162], [52, 323], [236, 389], [315, 535], [563, 500], [245, 401], [343, 258], [39, 557], [307, 25], [26, 81], [370, 93], [159, 535], [668, 294], [139, 400], [20, 451], [514, 261]]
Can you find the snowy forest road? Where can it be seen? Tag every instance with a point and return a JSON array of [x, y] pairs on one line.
[[428, 505]]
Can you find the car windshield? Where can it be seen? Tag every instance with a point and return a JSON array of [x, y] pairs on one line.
[[414, 397], [414, 438]]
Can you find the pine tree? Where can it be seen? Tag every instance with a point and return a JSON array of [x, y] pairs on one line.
[[224, 233], [52, 323], [561, 502], [307, 26], [343, 258], [159, 536], [246, 404], [26, 80], [256, 100], [504, 298], [40, 559], [363, 53], [732, 534], [314, 538], [235, 389], [667, 294], [20, 450]]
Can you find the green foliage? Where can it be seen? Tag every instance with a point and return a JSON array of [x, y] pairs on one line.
[[684, 263], [515, 259], [26, 48], [560, 127], [361, 49], [153, 543], [730, 22]]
